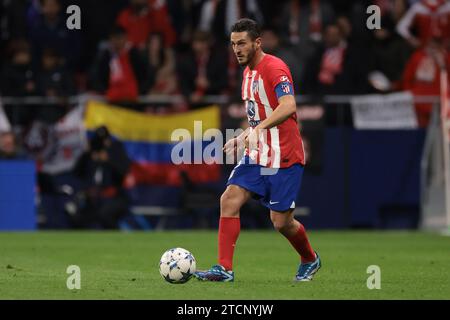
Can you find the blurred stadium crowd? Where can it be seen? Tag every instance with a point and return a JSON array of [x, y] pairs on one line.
[[129, 49], [133, 48]]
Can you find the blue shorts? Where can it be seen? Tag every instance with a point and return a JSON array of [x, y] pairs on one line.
[[277, 189]]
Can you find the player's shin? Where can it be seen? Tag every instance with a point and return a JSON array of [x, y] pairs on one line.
[[299, 240], [229, 229]]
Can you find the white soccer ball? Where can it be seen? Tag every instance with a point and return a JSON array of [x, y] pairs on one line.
[[177, 265]]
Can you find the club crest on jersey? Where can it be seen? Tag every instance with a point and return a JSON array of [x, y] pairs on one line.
[[285, 88], [255, 86], [284, 79]]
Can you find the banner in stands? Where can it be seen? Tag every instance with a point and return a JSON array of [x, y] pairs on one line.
[[147, 139], [390, 111]]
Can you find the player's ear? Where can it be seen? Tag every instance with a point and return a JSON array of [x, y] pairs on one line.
[[258, 43]]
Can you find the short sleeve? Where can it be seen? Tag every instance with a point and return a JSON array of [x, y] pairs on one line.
[[280, 81]]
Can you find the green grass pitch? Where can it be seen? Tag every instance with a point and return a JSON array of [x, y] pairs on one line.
[[125, 266]]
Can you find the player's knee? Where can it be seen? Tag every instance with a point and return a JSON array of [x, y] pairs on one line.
[[282, 226], [279, 225], [229, 203], [225, 199]]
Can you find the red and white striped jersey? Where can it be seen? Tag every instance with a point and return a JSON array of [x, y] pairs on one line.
[[280, 146]]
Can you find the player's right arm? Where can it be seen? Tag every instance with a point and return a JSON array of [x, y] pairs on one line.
[[236, 143]]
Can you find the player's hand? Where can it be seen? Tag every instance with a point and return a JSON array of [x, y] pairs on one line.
[[252, 140], [230, 146]]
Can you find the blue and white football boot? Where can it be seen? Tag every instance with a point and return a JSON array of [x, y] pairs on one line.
[[216, 273], [306, 271]]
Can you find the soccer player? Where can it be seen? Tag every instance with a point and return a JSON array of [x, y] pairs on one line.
[[272, 168]]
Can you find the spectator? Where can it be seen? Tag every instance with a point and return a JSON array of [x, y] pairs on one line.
[[234, 76], [393, 10], [422, 75], [97, 18], [345, 27], [271, 44], [143, 17], [18, 79], [304, 20], [180, 16], [353, 14], [203, 71], [302, 25], [217, 16], [101, 171], [389, 54], [427, 17], [336, 67], [53, 81], [119, 71], [49, 30], [162, 62], [9, 149]]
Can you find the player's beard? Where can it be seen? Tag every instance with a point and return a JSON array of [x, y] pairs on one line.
[[250, 56]]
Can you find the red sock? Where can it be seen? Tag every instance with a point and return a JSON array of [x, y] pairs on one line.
[[300, 242], [229, 229]]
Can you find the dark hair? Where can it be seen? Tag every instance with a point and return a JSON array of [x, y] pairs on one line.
[[97, 141], [247, 25]]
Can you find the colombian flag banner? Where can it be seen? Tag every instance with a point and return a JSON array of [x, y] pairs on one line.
[[148, 141]]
